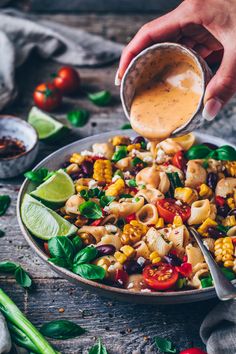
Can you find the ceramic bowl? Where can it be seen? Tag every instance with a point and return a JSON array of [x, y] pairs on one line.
[[17, 128], [53, 162], [149, 56]]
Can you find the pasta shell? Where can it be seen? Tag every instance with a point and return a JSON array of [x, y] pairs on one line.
[[111, 239], [156, 243], [194, 255], [126, 206], [110, 219], [195, 174], [151, 195], [200, 211], [147, 215], [96, 231], [142, 250]]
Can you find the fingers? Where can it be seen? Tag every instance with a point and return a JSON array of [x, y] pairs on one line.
[[164, 28], [222, 86]]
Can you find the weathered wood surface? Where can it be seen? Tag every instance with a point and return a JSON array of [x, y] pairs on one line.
[[124, 328]]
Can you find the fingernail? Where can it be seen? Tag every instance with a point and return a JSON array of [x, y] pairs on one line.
[[211, 109], [117, 79]]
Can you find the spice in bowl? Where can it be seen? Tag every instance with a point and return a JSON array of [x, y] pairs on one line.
[[10, 147]]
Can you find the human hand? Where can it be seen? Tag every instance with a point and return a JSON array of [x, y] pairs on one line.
[[206, 27]]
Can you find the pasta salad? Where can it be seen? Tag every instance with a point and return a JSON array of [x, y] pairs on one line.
[[131, 209]]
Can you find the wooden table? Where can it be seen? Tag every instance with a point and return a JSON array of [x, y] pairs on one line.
[[124, 328]]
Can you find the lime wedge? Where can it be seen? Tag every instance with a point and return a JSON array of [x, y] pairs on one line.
[[56, 189], [43, 222], [47, 127]]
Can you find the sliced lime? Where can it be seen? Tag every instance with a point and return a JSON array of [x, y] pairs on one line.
[[43, 222], [47, 127], [56, 189]]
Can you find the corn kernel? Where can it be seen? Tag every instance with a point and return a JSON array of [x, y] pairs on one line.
[[77, 158], [227, 257], [231, 203], [231, 168], [229, 221], [80, 188], [177, 221], [72, 168], [120, 257], [116, 188], [228, 264], [205, 225], [128, 251], [156, 260], [133, 146], [205, 191], [153, 255], [160, 223], [133, 232], [186, 194], [218, 252], [120, 140]]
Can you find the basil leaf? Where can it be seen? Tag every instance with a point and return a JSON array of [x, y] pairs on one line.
[[120, 153], [5, 201], [164, 345], [198, 152], [78, 243], [60, 262], [78, 118], [61, 329], [126, 126], [101, 98], [224, 153], [132, 183], [89, 271], [2, 233], [98, 348], [61, 247], [37, 176], [23, 278], [8, 267], [86, 255], [90, 210], [106, 200]]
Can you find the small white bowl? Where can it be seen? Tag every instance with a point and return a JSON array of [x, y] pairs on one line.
[[137, 67], [17, 128]]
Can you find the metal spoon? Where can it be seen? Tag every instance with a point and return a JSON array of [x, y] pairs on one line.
[[224, 288]]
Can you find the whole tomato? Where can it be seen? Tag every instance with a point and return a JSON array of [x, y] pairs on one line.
[[47, 97], [67, 80], [193, 351]]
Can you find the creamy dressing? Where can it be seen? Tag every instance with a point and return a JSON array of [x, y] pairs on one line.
[[167, 96]]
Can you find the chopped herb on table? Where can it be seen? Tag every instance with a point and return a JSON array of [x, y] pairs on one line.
[[2, 233], [21, 276], [165, 345], [5, 201], [98, 348], [101, 98], [61, 329]]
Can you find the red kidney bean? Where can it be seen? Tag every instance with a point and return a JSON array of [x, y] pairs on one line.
[[106, 250], [223, 210], [87, 168], [232, 212], [214, 233], [76, 175], [121, 278], [173, 260], [139, 140], [212, 180], [211, 146], [132, 267]]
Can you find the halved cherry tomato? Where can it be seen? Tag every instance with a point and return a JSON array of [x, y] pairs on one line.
[[130, 217], [160, 276], [121, 277], [45, 245], [168, 209], [185, 269], [47, 97], [67, 80], [220, 200], [179, 160], [193, 351]]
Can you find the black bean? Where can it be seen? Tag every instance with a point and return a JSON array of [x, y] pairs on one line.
[[65, 164], [232, 212], [76, 175], [87, 168], [223, 210], [173, 259], [106, 250], [211, 146], [214, 233], [132, 267], [212, 180], [139, 140]]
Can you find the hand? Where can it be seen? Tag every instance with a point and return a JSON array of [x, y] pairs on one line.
[[206, 26]]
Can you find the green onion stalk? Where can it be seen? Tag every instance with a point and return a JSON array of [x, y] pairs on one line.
[[25, 334]]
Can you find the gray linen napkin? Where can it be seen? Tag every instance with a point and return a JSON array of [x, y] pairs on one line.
[[218, 330], [21, 33]]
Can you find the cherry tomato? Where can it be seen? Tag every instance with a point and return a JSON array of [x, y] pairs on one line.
[[121, 277], [45, 245], [179, 160], [160, 276], [168, 209], [130, 217], [96, 222], [185, 269], [67, 80], [193, 351], [220, 200], [47, 97]]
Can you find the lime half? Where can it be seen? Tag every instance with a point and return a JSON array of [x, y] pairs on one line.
[[47, 127], [43, 222], [56, 189]]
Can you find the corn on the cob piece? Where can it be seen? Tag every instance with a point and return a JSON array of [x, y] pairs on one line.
[[205, 191], [102, 171], [133, 232], [224, 251], [186, 194], [128, 251], [229, 221], [116, 188], [205, 225]]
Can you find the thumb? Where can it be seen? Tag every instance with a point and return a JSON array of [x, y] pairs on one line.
[[221, 87]]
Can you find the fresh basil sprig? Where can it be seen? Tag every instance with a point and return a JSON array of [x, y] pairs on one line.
[[223, 153], [5, 201], [101, 98], [164, 345], [198, 152], [21, 276], [98, 348], [61, 329], [89, 271], [86, 255], [62, 251], [78, 243], [120, 153], [78, 118], [90, 210], [38, 176]]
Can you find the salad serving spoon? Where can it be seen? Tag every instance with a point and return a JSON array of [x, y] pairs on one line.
[[224, 288]]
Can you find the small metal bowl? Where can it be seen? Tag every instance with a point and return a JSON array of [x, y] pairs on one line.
[[132, 79], [17, 128]]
